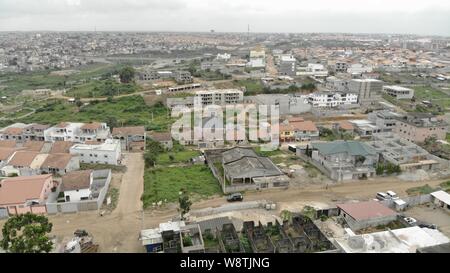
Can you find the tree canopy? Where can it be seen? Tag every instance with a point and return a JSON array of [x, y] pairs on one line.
[[126, 74], [27, 233]]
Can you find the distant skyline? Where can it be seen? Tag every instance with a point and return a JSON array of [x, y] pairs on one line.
[[431, 17]]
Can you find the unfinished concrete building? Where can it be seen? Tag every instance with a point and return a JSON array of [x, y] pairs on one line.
[[229, 240], [306, 235], [403, 153], [259, 240], [240, 168]]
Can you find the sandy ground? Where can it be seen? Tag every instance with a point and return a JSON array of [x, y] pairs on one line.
[[119, 230], [431, 215]]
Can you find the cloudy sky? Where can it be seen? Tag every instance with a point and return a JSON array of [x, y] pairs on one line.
[[358, 16]]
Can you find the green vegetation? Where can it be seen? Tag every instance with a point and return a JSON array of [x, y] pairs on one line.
[[445, 186], [439, 99], [252, 87], [267, 153], [184, 203], [210, 241], [102, 88], [126, 74], [176, 157], [114, 194], [126, 111], [113, 168], [309, 212], [427, 189], [27, 233], [330, 135], [16, 82], [387, 168], [165, 183]]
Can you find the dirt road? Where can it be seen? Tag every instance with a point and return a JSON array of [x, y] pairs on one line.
[[118, 231]]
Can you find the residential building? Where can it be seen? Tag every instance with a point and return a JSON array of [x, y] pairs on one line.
[[94, 131], [368, 90], [398, 92], [64, 131], [332, 100], [60, 164], [344, 160], [183, 77], [298, 130], [362, 215], [220, 96], [109, 152], [76, 185], [287, 66], [61, 147], [403, 240], [417, 127], [148, 75], [35, 132], [20, 195], [400, 152], [184, 88], [385, 120], [365, 128], [131, 138], [314, 70], [336, 84], [164, 138], [441, 199], [5, 155]]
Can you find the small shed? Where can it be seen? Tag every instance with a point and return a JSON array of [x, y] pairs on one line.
[[441, 199]]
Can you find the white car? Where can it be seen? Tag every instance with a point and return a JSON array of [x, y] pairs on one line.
[[392, 195], [410, 220]]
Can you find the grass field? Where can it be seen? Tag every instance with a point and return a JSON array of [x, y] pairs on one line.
[[164, 183], [178, 157], [251, 86], [16, 82], [426, 189], [127, 111], [102, 88], [435, 96]]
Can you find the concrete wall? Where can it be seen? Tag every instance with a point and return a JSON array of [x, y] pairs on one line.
[[94, 204], [373, 222]]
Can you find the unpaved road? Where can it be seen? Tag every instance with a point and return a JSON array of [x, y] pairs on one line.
[[119, 231]]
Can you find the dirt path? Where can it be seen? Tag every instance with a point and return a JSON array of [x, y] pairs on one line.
[[118, 231]]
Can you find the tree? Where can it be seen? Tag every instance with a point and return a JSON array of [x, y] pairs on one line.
[[150, 159], [27, 233], [126, 74], [111, 122], [184, 202]]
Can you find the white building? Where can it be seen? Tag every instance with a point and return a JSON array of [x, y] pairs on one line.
[[109, 152], [314, 70], [223, 57], [359, 69], [77, 185], [77, 132], [398, 92], [331, 99]]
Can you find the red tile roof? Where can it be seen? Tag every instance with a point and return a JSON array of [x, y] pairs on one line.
[[366, 210]]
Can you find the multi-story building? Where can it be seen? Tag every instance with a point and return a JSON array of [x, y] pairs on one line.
[[341, 67], [398, 92], [148, 75], [330, 100], [417, 127], [183, 77], [77, 132], [368, 90], [298, 130], [385, 120], [131, 138], [287, 66], [336, 84], [109, 152], [220, 97]]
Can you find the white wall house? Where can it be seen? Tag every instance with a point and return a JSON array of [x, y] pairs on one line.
[[331, 99], [77, 132], [77, 186], [109, 152]]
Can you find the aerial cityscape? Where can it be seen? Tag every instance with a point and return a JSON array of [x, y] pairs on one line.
[[200, 135]]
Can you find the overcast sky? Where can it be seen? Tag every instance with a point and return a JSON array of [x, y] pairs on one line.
[[357, 16]]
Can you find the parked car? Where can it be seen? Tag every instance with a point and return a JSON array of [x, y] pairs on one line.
[[392, 195], [410, 220], [235, 197], [382, 196]]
